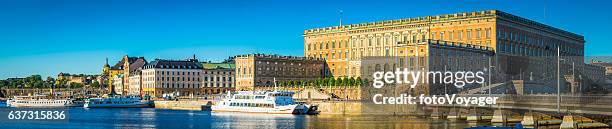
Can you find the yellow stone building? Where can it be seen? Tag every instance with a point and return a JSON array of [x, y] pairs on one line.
[[344, 46], [124, 67]]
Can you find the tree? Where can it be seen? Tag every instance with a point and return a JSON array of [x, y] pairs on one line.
[[358, 81], [291, 83], [33, 81], [4, 84], [76, 85], [49, 83], [331, 81], [61, 83], [325, 81], [351, 81], [95, 84], [318, 82], [339, 82]]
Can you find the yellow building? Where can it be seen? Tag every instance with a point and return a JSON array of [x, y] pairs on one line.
[[343, 46], [124, 67]]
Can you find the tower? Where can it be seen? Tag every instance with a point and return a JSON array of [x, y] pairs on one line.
[[106, 68]]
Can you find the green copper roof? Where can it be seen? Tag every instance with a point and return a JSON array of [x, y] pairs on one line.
[[218, 66]]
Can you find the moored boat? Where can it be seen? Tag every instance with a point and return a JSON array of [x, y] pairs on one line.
[[275, 102], [117, 102], [38, 101]]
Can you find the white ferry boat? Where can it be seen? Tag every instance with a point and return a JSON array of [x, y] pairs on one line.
[[38, 101], [117, 102], [276, 102]]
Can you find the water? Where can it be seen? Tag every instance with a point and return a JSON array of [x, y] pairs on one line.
[[164, 118]]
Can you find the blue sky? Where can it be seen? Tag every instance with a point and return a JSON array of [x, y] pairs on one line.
[[50, 36]]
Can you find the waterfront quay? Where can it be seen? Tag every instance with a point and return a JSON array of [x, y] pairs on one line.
[[506, 113], [186, 104]]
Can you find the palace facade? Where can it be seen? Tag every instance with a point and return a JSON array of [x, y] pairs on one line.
[[519, 48], [506, 34]]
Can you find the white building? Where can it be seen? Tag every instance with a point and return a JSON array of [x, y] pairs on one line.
[[118, 84], [135, 86], [218, 77], [171, 76]]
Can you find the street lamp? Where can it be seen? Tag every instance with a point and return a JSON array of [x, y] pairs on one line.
[[489, 70], [559, 78]]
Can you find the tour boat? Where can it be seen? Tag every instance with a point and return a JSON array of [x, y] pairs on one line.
[[117, 102], [38, 101], [276, 102]]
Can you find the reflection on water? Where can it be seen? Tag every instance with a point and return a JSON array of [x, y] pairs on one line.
[[374, 121], [163, 118]]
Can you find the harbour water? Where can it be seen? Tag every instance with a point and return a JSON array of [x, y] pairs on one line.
[[165, 118]]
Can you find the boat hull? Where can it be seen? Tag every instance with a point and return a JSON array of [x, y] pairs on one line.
[[292, 109], [139, 105], [39, 103], [117, 102]]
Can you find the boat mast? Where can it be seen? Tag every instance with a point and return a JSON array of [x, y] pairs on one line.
[[274, 84]]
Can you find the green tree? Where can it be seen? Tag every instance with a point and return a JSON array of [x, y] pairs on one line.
[[351, 81], [50, 82], [62, 83], [95, 84], [33, 81], [4, 84], [331, 81], [76, 85], [20, 83], [325, 82], [318, 83], [311, 83], [339, 81], [358, 81]]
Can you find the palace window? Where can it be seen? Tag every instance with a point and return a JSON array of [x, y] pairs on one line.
[[345, 43], [333, 44], [469, 34], [346, 54], [433, 35], [320, 45]]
